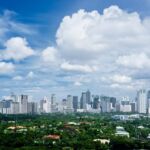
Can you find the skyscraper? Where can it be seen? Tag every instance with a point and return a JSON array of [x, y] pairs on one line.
[[141, 101], [69, 102], [45, 105], [75, 103], [23, 103], [106, 105], [113, 101], [88, 97], [96, 102], [83, 101], [54, 103], [148, 99], [32, 108]]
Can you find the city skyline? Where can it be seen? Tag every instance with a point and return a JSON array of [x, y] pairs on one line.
[[48, 48], [86, 102]]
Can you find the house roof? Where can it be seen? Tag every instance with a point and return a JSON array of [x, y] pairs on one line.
[[52, 136]]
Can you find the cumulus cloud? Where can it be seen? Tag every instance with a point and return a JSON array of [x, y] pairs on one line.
[[118, 86], [50, 55], [93, 34], [78, 68], [19, 78], [113, 45], [6, 68], [137, 61], [120, 78], [16, 49]]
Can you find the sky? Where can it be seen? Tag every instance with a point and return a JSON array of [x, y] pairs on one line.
[[69, 46]]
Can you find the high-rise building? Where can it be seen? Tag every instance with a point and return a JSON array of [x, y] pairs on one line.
[[54, 103], [53, 99], [1, 107], [75, 103], [113, 101], [125, 105], [69, 102], [148, 100], [23, 104], [7, 106], [45, 105], [32, 108], [88, 97], [141, 101], [106, 105], [83, 101], [133, 107], [64, 105], [96, 102]]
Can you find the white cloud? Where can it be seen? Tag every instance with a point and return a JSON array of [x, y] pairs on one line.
[[138, 61], [109, 44], [91, 35], [77, 83], [17, 49], [118, 86], [9, 25], [19, 78], [120, 79], [50, 55], [78, 68], [6, 68], [30, 75]]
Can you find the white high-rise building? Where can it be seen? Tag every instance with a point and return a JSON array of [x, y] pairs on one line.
[[125, 105], [69, 102], [141, 101], [23, 104], [45, 105], [54, 107]]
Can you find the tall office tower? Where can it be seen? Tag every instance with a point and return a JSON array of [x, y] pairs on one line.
[[23, 103], [133, 107], [83, 101], [141, 101], [53, 99], [15, 107], [64, 105], [106, 105], [148, 99], [32, 108], [125, 105], [54, 107], [1, 107], [45, 105], [41, 106], [88, 97], [113, 101], [96, 102], [7, 106], [69, 103], [75, 103]]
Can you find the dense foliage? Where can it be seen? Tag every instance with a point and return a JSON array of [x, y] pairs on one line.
[[76, 131]]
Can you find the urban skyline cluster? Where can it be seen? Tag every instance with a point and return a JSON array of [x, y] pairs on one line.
[[21, 104]]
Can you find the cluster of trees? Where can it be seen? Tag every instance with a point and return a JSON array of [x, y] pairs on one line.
[[79, 136]]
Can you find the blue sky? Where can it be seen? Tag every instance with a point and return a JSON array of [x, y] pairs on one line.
[[65, 47]]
